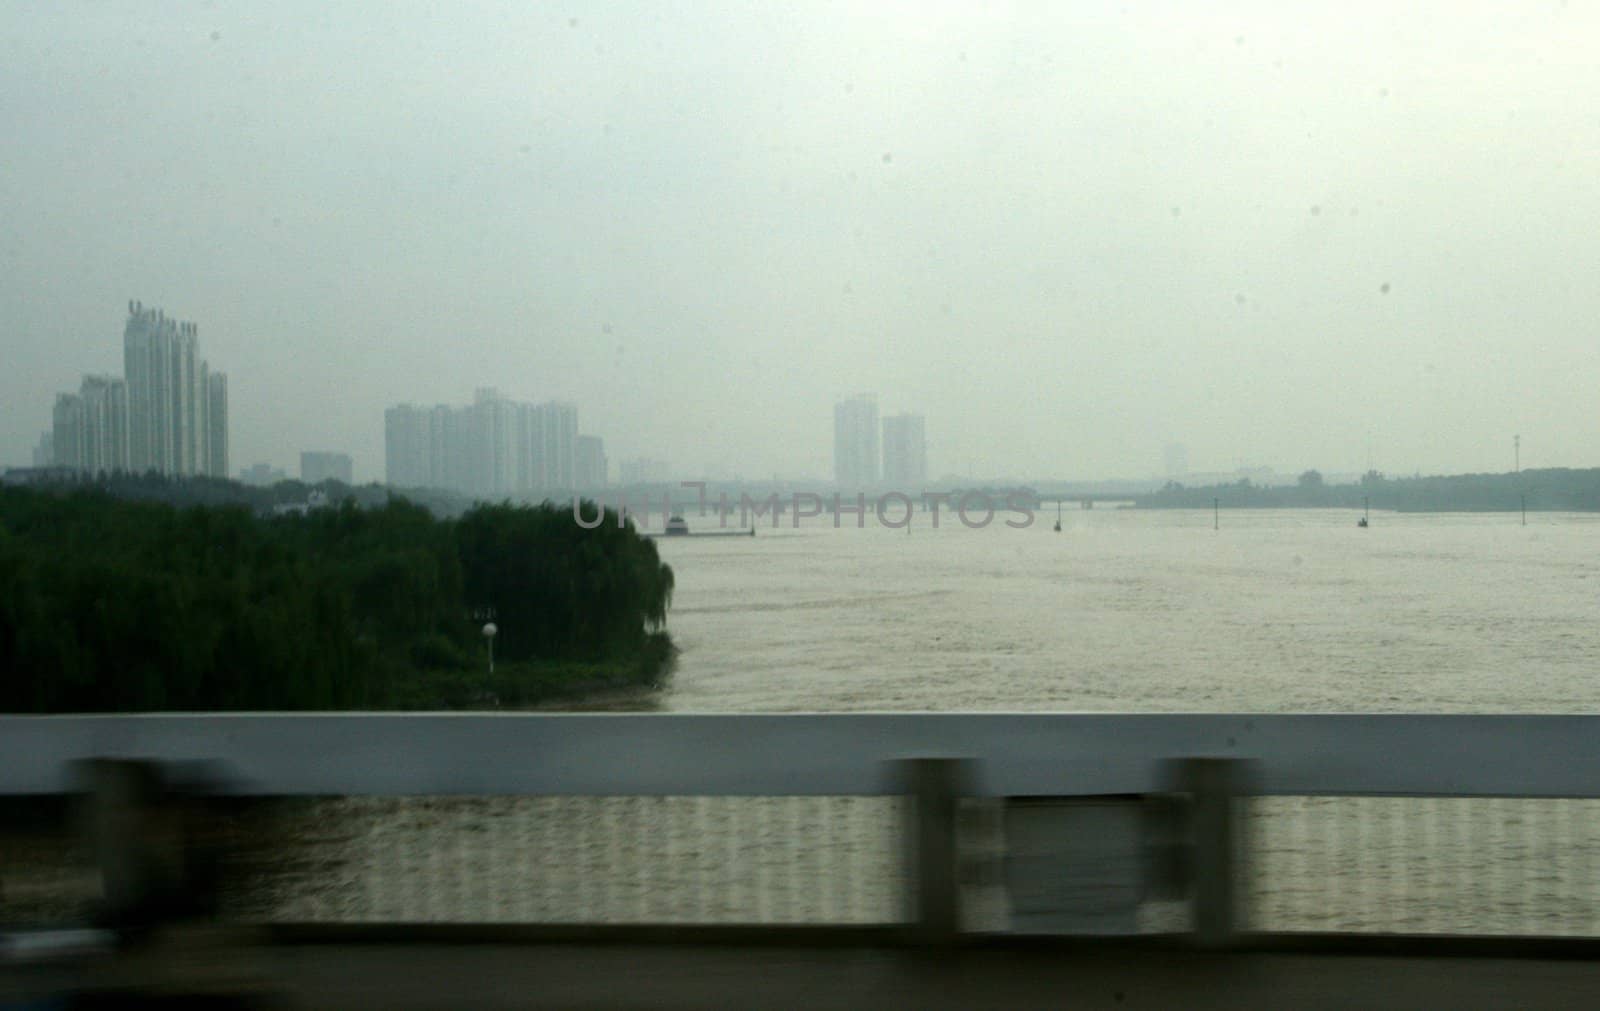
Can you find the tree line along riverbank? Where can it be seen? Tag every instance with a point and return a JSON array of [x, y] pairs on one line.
[[112, 604]]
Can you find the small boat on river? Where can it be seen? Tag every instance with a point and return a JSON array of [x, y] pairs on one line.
[[677, 526]]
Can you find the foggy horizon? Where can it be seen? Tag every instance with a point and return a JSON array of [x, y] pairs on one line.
[[1066, 237]]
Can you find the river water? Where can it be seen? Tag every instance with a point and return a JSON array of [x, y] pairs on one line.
[[1121, 611], [1131, 610]]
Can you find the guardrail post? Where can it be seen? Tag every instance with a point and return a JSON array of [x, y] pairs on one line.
[[934, 787], [139, 868], [1214, 785], [142, 828]]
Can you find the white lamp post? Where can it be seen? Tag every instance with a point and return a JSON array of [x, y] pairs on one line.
[[489, 631]]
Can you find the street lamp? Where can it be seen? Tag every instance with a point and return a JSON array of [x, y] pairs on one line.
[[489, 631]]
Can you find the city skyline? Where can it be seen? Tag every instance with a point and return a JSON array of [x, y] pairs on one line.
[[494, 447], [869, 450], [856, 463], [1072, 235], [167, 412], [178, 414], [905, 450]]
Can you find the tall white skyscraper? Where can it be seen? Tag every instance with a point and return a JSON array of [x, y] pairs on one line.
[[490, 429], [170, 396], [439, 428], [217, 424], [66, 431], [89, 429], [560, 448], [406, 447], [855, 441], [905, 451]]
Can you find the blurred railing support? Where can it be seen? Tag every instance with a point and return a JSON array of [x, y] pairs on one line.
[[1488, 827], [150, 839], [934, 787], [1217, 857], [134, 852]]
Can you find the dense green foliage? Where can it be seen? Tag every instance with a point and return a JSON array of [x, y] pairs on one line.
[[217, 491], [115, 605], [556, 588], [1555, 488]]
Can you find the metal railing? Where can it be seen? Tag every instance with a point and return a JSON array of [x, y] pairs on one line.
[[1223, 828]]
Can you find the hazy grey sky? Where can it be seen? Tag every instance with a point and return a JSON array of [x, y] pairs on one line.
[[1066, 233]]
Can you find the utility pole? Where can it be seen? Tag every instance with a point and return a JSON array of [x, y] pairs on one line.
[[1216, 514]]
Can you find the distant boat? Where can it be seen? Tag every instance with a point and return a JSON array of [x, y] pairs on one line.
[[1058, 516], [677, 526], [1361, 522]]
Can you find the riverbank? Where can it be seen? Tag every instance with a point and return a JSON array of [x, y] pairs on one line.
[[1555, 489], [537, 683]]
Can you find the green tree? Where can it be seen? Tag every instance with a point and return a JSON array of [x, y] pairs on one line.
[[111, 604]]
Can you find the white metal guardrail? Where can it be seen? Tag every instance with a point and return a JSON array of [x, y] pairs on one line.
[[373, 754], [1353, 823]]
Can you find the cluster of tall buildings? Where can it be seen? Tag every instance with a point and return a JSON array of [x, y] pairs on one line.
[[494, 447], [861, 459], [167, 413]]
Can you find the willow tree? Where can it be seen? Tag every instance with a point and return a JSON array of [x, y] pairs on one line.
[[558, 590]]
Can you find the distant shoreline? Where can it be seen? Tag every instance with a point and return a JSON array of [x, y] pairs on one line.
[[1403, 510], [1549, 490]]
